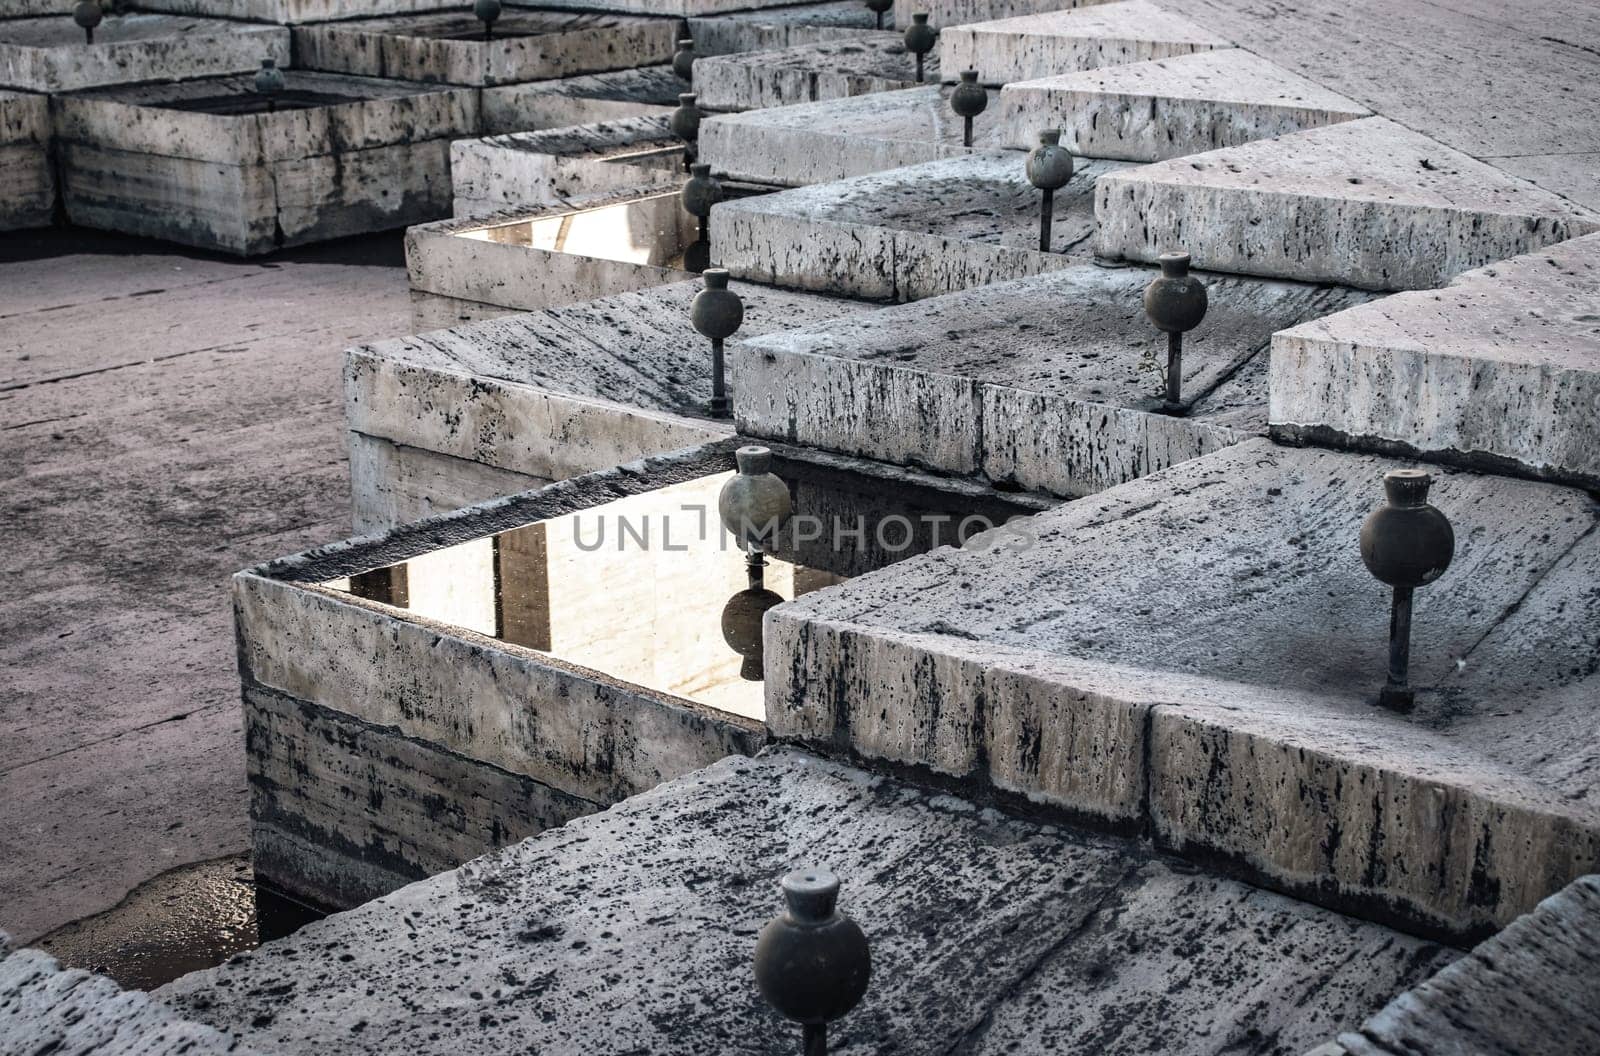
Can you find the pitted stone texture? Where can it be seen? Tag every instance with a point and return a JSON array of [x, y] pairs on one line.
[[1501, 367], [562, 391], [943, 13], [1044, 45], [494, 259], [45, 1008], [1051, 383], [376, 157], [908, 233], [27, 182], [638, 924], [1167, 108], [1209, 633], [50, 55], [561, 165], [869, 62], [287, 12], [393, 484], [1366, 203], [1529, 990], [792, 146], [451, 47], [672, 8], [650, 91], [782, 27]]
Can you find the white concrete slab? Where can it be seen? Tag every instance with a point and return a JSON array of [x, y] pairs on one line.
[[286, 12], [1366, 203], [1044, 45], [650, 91], [1166, 108], [780, 27], [957, 12], [27, 181], [869, 62], [50, 55]]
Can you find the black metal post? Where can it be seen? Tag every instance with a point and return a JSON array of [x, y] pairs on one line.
[[966, 135], [1046, 214], [1174, 369], [705, 229], [1397, 691], [815, 1035], [919, 68], [719, 381]]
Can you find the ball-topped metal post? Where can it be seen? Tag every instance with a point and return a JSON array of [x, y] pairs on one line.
[[683, 59], [488, 12], [700, 192], [717, 312], [1049, 169], [1406, 543], [879, 8], [88, 15], [685, 122], [1176, 302], [753, 506], [813, 963], [968, 101], [269, 83], [920, 39]]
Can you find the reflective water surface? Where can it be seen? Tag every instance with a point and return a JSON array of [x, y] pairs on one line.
[[650, 230]]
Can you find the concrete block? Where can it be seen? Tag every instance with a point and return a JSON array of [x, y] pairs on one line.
[[869, 62], [907, 233], [202, 163], [558, 166], [650, 91], [1028, 47], [666, 8], [560, 254], [50, 55], [1500, 369], [1087, 942], [393, 484], [1364, 203], [450, 47], [1220, 607], [1167, 108], [957, 12], [792, 146], [27, 180], [780, 27], [286, 12]]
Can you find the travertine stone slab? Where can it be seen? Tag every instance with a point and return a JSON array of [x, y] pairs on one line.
[[450, 47], [650, 91], [560, 254], [527, 169], [1087, 941], [50, 55], [957, 12], [780, 27], [1057, 42], [792, 146], [27, 181], [870, 62], [393, 484], [1499, 369], [1166, 108], [673, 8], [1051, 383], [1208, 637], [374, 156], [285, 12], [1366, 203], [907, 233]]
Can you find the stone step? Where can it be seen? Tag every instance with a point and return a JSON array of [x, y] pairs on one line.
[[1167, 108], [640, 924], [908, 233], [561, 165], [1197, 654], [868, 62], [27, 181], [1044, 45], [649, 91], [943, 13], [451, 47], [1053, 383], [1364, 203], [792, 146], [664, 8], [50, 55], [287, 12], [780, 27], [1498, 370]]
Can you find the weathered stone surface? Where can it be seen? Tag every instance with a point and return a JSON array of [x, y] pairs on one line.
[[27, 182], [908, 233], [450, 47], [781, 27], [1528, 990], [135, 159], [50, 55], [45, 1008], [1210, 635], [561, 254], [675, 8], [1166, 108], [1366, 203], [1500, 368], [393, 484], [1051, 383], [557, 166], [286, 12], [943, 13], [868, 62], [1044, 45], [650, 91], [792, 146], [638, 923]]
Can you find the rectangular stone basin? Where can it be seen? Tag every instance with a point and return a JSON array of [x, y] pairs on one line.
[[472, 679], [207, 163], [780, 27], [27, 181], [50, 54], [287, 12], [451, 47], [649, 91], [869, 62]]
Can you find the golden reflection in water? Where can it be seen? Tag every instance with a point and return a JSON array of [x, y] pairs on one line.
[[646, 589], [651, 230]]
